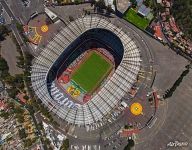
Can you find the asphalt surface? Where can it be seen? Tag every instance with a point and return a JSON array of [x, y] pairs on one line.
[[13, 27], [178, 121], [23, 13]]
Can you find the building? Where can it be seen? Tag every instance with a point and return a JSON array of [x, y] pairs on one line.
[[2, 105], [123, 5], [51, 15], [98, 109], [143, 10], [159, 1]]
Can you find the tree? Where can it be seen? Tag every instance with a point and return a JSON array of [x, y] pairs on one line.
[[20, 62], [19, 27], [71, 18], [34, 104], [100, 4], [59, 1], [9, 79], [20, 118], [26, 97], [92, 2], [11, 105], [18, 110], [12, 92], [109, 9], [126, 127], [27, 142], [77, 2], [3, 64], [22, 133], [182, 13], [160, 7], [55, 124], [4, 68], [47, 141], [18, 81], [65, 145], [48, 21], [4, 115], [3, 31], [28, 59], [130, 144], [149, 3], [40, 126], [134, 3]]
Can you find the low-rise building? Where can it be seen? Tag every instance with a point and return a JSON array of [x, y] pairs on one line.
[[143, 10]]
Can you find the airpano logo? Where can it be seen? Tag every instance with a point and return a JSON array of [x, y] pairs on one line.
[[177, 144]]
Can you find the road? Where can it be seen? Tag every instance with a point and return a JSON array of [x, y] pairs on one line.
[[177, 124], [14, 21], [23, 13]]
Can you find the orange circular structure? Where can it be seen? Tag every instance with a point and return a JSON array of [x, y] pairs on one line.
[[136, 109], [44, 28]]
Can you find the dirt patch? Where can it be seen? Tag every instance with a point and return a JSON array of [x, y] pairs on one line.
[[9, 52]]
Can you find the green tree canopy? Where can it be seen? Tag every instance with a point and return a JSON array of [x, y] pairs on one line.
[[4, 114], [3, 31], [182, 12], [3, 64], [65, 145], [22, 133], [130, 144]]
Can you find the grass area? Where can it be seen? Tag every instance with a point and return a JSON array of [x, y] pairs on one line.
[[132, 16], [91, 72]]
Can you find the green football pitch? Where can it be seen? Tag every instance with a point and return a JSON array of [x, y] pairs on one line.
[[91, 72], [132, 16]]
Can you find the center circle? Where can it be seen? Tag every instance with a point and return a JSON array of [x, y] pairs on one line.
[[136, 109], [44, 28]]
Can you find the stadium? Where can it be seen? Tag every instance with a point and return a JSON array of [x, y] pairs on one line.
[[84, 72]]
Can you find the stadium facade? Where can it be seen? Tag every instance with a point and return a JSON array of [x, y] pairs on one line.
[[127, 65]]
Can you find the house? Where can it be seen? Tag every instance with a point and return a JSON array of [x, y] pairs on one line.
[[163, 16], [173, 25], [159, 1], [139, 2], [21, 98], [158, 33], [2, 105], [143, 10], [123, 5], [167, 11], [167, 3]]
